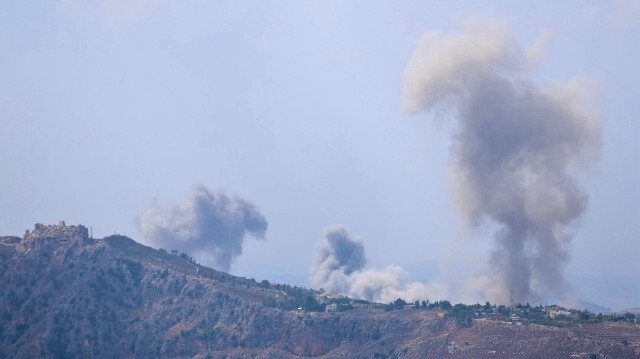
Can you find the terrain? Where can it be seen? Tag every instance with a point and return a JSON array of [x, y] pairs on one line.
[[67, 295]]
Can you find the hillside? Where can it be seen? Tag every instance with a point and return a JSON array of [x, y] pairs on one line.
[[66, 295]]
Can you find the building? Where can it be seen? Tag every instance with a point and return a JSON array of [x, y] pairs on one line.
[[333, 307]]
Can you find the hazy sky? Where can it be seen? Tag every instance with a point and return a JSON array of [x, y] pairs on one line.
[[109, 108]]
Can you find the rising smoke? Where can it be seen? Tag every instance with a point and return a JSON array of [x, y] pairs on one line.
[[514, 152], [340, 266], [210, 225]]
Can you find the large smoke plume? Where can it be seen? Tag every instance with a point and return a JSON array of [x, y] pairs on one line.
[[340, 266], [515, 150], [210, 225]]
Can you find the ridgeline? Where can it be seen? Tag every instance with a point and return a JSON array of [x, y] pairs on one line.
[[67, 295]]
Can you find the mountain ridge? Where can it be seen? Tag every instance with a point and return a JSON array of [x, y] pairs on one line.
[[67, 295]]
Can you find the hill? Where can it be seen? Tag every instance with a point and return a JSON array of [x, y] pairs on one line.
[[67, 295]]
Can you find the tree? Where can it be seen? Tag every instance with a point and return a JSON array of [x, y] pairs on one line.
[[463, 314], [310, 304], [445, 304], [487, 306], [584, 315]]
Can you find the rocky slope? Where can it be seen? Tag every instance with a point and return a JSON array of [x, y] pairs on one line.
[[67, 295]]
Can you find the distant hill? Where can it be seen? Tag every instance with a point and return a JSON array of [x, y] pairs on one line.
[[66, 295], [594, 308], [635, 311]]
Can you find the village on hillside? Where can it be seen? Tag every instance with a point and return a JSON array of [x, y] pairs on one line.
[[463, 314]]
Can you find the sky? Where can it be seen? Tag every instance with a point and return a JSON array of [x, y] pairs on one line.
[[109, 109]]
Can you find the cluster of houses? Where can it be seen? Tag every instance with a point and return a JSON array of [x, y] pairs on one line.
[[333, 301], [555, 312], [326, 297], [516, 314], [330, 299]]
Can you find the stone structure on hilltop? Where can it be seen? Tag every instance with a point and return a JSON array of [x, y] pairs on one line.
[[72, 234]]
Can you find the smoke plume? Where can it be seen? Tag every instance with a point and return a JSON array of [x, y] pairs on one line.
[[515, 149], [340, 267], [210, 225]]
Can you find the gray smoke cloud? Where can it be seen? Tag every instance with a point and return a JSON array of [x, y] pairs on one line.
[[211, 226], [340, 267], [339, 255], [515, 150]]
